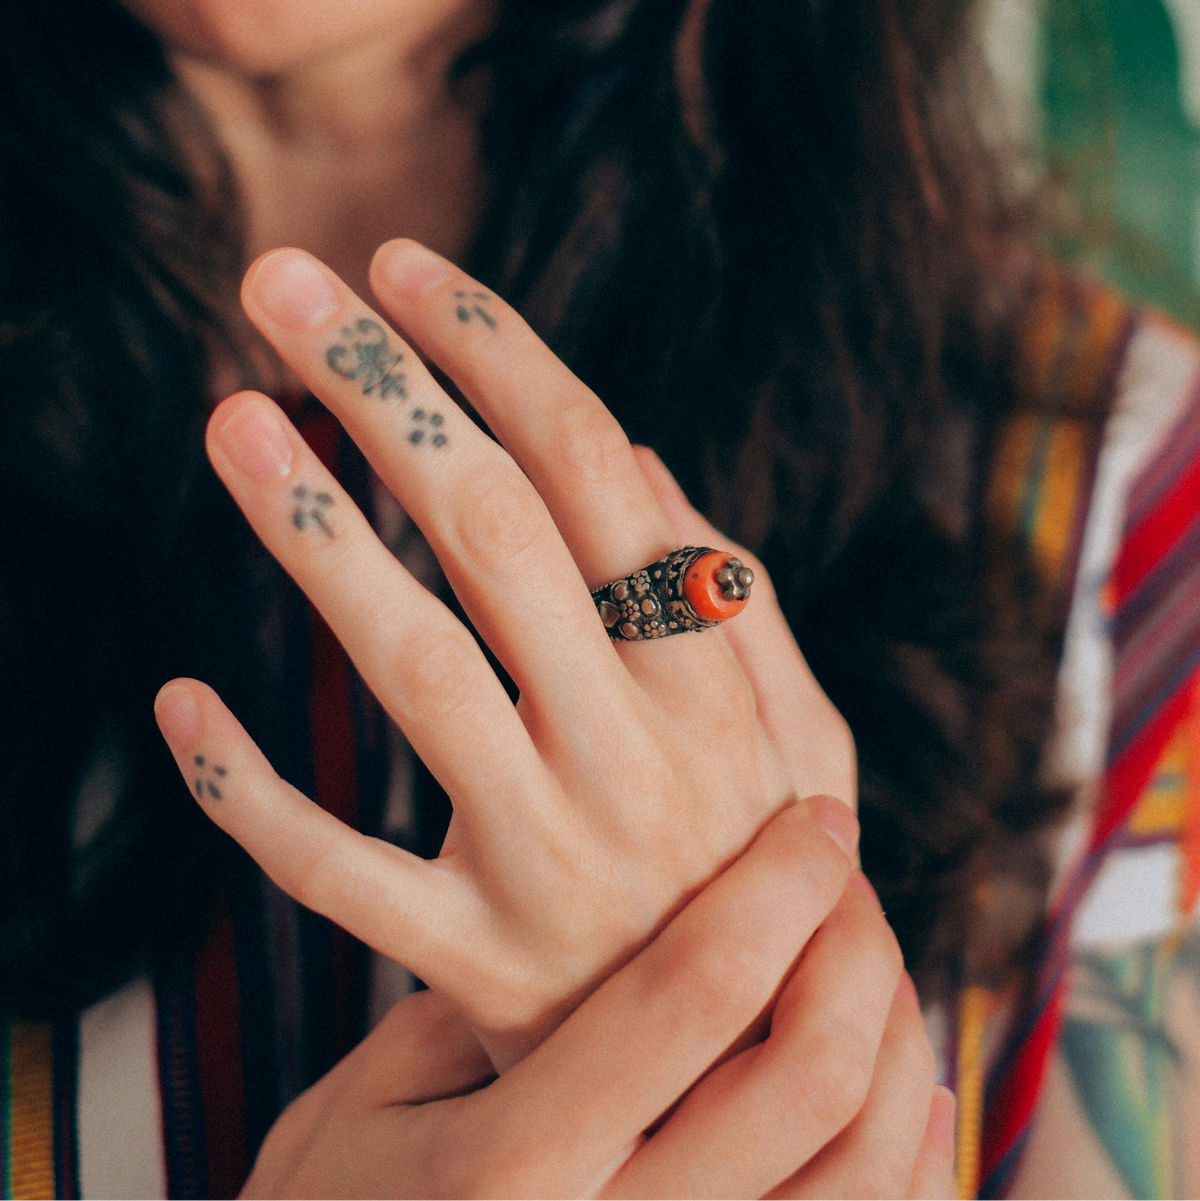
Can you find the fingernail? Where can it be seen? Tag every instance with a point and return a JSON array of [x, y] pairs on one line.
[[178, 716], [293, 290], [256, 443], [835, 818], [412, 270], [943, 1112]]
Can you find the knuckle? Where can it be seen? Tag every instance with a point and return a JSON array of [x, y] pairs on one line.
[[922, 1059], [590, 444], [718, 987], [872, 944], [487, 1165], [887, 1175], [314, 878], [837, 1078], [498, 514], [437, 672]]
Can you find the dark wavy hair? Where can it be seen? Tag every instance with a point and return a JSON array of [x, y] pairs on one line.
[[767, 232]]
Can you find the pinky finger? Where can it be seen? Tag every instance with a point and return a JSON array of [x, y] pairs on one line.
[[933, 1172], [391, 900]]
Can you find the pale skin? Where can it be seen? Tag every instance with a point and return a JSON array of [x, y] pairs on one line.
[[597, 857], [589, 813]]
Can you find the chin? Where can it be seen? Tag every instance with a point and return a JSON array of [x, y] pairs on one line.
[[268, 37]]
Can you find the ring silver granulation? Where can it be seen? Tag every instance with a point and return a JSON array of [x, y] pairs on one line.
[[693, 588]]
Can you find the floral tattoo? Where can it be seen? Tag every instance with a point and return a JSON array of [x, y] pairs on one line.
[[365, 355]]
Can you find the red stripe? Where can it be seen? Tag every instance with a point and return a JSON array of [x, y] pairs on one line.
[[1149, 536], [1012, 1104], [1145, 546], [219, 1052], [1129, 774]]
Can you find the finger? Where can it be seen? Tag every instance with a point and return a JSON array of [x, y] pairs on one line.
[[415, 656], [397, 903], [780, 1102], [564, 438], [652, 1028], [807, 730], [933, 1173], [875, 1155], [482, 517], [421, 1051]]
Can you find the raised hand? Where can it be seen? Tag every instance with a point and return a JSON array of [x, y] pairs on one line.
[[626, 776], [836, 1101]]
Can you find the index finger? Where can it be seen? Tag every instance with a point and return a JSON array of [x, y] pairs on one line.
[[652, 1029]]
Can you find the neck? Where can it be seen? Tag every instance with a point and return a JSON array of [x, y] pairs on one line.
[[361, 143], [346, 98]]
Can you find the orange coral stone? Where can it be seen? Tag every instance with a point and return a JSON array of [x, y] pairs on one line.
[[704, 594]]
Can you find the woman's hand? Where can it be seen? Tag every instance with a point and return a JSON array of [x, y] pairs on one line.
[[624, 778], [833, 1102]]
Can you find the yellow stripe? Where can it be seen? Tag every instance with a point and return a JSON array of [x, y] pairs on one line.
[[1058, 497], [975, 1007], [31, 1111], [1161, 810]]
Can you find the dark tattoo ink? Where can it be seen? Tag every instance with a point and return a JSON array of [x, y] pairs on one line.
[[365, 355], [310, 510], [430, 423], [468, 308], [206, 786]]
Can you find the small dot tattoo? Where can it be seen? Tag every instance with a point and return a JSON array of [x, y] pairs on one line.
[[311, 509], [427, 423], [471, 305], [204, 783]]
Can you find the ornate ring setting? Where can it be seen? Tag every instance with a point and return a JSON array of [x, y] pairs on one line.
[[693, 588]]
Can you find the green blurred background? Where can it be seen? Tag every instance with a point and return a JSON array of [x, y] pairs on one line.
[[1109, 91]]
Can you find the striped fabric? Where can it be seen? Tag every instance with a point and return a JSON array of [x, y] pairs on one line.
[[275, 995], [1155, 633]]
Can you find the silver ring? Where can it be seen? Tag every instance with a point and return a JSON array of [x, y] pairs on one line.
[[670, 597]]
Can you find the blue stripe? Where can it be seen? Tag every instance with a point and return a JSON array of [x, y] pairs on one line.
[[1119, 741]]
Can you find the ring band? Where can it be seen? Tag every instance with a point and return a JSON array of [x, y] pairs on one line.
[[693, 588]]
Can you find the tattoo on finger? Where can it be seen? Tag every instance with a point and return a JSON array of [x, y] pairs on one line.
[[470, 305], [210, 779], [312, 510], [429, 427], [365, 355]]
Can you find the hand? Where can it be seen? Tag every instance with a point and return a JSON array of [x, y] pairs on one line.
[[832, 1103], [624, 778]]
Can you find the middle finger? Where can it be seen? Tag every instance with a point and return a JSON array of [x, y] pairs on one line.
[[483, 518]]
